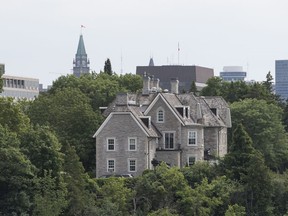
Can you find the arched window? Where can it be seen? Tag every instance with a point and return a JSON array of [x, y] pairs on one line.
[[160, 116]]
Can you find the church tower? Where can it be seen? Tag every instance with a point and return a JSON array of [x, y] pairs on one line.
[[81, 64]]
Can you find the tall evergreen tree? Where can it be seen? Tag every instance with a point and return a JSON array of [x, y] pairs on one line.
[[246, 165], [193, 87], [108, 67]]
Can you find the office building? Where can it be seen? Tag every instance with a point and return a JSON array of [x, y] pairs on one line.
[[185, 75], [20, 87], [233, 73], [281, 78]]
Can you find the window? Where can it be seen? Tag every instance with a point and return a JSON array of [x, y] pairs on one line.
[[132, 144], [110, 144], [191, 159], [110, 165], [132, 165], [192, 138], [160, 116], [169, 140]]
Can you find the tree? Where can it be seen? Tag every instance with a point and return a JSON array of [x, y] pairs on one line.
[[108, 67], [17, 176], [42, 148], [159, 189], [131, 82], [50, 196], [214, 87], [12, 116], [100, 88], [262, 121], [199, 171], [206, 198], [193, 87], [114, 191], [246, 165], [240, 90], [235, 210], [81, 190], [69, 113], [163, 212]]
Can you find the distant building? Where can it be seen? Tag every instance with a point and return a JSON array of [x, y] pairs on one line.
[[2, 69], [142, 130], [233, 73], [20, 87], [81, 64], [281, 78], [185, 75]]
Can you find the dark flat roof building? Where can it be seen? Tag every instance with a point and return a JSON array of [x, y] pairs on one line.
[[184, 73]]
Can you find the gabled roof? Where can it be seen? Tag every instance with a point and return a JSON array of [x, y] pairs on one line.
[[81, 47], [166, 101], [200, 109], [134, 113]]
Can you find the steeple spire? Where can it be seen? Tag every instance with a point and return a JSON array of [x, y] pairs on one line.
[[151, 62], [81, 47], [81, 63]]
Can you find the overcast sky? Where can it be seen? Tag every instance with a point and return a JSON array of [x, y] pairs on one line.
[[39, 38]]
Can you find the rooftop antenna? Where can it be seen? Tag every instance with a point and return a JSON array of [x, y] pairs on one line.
[[82, 26], [247, 70], [178, 53], [121, 71]]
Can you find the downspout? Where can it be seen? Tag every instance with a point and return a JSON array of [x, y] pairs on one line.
[[181, 155], [218, 148], [148, 153]]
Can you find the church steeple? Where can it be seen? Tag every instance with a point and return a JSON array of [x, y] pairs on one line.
[[81, 62], [151, 62]]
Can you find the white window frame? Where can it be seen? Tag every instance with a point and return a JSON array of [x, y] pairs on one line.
[[129, 164], [107, 143], [129, 143], [164, 139], [188, 159], [163, 115], [108, 165], [188, 137]]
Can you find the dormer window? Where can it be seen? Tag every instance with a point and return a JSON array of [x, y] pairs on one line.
[[187, 109], [160, 116], [183, 111], [146, 120], [214, 110]]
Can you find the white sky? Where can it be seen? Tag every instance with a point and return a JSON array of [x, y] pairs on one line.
[[39, 38]]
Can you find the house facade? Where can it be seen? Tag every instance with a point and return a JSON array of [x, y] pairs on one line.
[[144, 129]]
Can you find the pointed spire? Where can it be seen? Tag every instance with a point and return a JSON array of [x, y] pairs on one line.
[[81, 63], [151, 62], [81, 47]]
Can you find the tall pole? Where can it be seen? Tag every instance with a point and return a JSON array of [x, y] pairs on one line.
[[178, 53]]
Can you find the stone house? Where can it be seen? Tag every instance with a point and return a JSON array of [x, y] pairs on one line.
[[143, 129]]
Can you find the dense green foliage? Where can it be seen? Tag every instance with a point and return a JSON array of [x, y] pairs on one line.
[[108, 67], [47, 156]]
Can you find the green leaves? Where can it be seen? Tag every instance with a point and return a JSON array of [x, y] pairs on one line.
[[262, 122]]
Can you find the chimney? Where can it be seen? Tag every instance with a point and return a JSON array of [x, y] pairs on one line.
[[122, 99], [156, 83], [174, 85], [146, 84]]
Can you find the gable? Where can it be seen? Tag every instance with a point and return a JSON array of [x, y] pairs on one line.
[[159, 98], [121, 121]]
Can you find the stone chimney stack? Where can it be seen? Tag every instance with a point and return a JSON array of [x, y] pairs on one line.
[[156, 83], [174, 85], [146, 84], [122, 99]]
